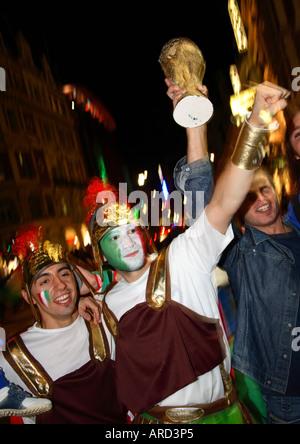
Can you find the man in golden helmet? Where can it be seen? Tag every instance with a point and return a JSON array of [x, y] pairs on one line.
[[61, 357], [107, 216]]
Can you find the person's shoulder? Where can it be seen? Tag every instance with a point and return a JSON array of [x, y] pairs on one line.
[[28, 332]]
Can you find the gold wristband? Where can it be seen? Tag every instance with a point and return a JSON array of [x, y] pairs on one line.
[[249, 151]]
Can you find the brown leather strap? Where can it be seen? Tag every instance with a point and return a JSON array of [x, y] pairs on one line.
[[176, 415]]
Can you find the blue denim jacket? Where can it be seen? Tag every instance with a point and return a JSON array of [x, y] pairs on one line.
[[266, 285], [196, 176]]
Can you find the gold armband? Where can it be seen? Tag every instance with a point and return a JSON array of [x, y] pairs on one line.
[[249, 151]]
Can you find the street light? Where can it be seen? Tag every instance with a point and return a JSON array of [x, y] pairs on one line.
[[235, 79], [238, 26], [142, 178]]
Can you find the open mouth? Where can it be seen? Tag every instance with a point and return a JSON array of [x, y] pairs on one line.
[[63, 300], [264, 209]]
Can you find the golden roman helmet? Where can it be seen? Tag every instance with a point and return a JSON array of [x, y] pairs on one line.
[[37, 254], [105, 211]]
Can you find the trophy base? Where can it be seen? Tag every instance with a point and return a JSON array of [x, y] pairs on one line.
[[193, 111]]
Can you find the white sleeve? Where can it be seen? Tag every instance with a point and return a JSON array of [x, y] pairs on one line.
[[201, 246]]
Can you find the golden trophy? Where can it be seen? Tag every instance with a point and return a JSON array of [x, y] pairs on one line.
[[184, 65]]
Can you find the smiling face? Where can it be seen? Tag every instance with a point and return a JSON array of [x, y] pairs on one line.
[[54, 291], [124, 248], [295, 135], [261, 207]]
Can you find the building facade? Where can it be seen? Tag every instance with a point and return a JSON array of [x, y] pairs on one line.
[[273, 54], [97, 132], [273, 28], [43, 172]]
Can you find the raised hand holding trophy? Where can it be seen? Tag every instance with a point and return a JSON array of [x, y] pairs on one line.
[[184, 66]]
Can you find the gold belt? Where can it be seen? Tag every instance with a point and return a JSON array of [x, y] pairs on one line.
[[181, 415], [176, 415]]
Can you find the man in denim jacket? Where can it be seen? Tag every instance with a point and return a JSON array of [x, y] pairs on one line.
[[263, 268]]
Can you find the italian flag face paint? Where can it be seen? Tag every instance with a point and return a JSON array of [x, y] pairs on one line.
[[44, 298]]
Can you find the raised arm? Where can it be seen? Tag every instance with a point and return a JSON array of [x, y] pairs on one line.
[[197, 147], [235, 181], [193, 172]]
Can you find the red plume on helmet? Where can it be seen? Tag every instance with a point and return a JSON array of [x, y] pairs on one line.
[[89, 202], [27, 240]]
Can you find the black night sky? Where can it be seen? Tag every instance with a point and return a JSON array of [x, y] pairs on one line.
[[112, 49]]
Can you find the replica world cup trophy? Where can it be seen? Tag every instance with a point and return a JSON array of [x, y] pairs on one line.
[[184, 65]]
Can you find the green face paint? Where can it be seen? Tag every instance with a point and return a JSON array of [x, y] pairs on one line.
[[124, 249]]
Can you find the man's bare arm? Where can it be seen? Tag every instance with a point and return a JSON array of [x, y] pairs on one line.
[[235, 181], [197, 147]]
